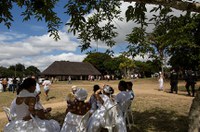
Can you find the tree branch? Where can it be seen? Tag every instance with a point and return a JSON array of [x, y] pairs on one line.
[[177, 4]]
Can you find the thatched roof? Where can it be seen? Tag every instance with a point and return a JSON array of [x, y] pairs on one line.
[[71, 68]]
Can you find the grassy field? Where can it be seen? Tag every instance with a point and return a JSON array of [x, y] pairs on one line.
[[154, 111]]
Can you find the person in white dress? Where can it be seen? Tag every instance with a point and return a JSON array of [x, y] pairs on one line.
[[105, 101], [76, 109], [123, 96], [27, 117], [46, 83], [130, 89], [161, 82], [1, 87], [37, 90]]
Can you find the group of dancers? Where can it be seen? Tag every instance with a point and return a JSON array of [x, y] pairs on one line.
[[30, 115]]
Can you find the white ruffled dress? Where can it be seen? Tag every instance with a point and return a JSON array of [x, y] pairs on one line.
[[34, 125], [97, 120]]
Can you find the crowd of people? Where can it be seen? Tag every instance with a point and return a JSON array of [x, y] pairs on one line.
[[9, 84], [12, 85], [30, 115], [190, 78]]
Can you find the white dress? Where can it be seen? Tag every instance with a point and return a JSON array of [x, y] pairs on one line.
[[46, 85], [34, 125], [121, 99], [97, 120], [161, 82], [1, 87], [71, 123]]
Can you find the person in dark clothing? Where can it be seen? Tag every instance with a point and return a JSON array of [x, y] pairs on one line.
[[174, 81], [190, 79], [14, 87]]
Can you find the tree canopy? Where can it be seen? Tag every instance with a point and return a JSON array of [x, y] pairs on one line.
[[167, 38], [18, 70]]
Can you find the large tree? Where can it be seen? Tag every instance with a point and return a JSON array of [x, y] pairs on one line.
[[105, 10], [100, 25], [99, 60], [185, 41], [32, 70], [151, 43]]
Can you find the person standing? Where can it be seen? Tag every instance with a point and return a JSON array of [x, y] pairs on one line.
[[37, 90], [190, 81], [130, 89], [161, 81], [93, 100], [46, 85], [1, 87], [123, 96], [5, 84], [14, 87], [69, 80], [174, 81]]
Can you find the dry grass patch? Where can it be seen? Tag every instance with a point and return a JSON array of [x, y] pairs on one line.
[[153, 110]]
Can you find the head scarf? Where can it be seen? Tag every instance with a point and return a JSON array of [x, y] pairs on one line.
[[81, 94], [107, 89], [74, 87]]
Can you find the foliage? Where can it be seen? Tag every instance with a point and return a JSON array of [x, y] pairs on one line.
[[152, 43], [98, 60], [39, 9], [108, 65], [145, 69], [18, 70], [94, 20], [185, 41], [127, 65], [92, 27], [32, 70]]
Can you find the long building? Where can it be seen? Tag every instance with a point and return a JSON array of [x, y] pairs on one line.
[[61, 70]]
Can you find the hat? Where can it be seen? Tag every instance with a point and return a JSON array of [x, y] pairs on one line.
[[107, 89], [74, 87], [81, 94]]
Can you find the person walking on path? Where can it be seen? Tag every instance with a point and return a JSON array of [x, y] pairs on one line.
[[46, 85], [174, 81], [69, 80], [190, 81]]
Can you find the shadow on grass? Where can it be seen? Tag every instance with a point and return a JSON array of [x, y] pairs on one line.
[[155, 120], [158, 120], [52, 97]]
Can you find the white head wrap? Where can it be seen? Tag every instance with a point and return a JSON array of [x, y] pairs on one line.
[[107, 89], [74, 87], [81, 94]]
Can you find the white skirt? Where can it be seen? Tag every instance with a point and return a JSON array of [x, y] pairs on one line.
[[71, 123], [97, 121], [36, 125]]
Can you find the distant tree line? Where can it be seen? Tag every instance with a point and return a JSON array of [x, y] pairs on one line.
[[18, 70], [121, 65]]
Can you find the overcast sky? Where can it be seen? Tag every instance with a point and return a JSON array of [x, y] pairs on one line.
[[28, 43]]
